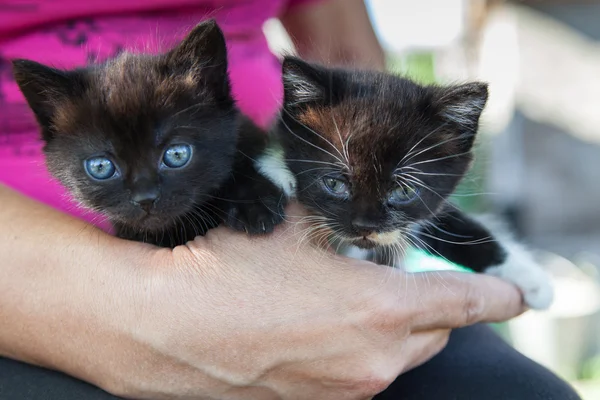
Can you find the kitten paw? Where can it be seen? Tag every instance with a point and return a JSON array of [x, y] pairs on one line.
[[255, 218], [255, 204], [522, 270]]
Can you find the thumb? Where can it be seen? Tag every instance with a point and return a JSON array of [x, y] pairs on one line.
[[454, 300]]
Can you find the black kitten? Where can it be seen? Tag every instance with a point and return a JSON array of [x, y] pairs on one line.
[[374, 157], [154, 142]]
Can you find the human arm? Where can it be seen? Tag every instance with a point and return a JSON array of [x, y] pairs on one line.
[[334, 31], [225, 317], [61, 281]]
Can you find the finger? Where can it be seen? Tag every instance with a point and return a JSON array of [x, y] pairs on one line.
[[452, 300], [423, 346]]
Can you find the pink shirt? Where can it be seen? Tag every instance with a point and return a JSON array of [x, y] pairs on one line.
[[69, 33]]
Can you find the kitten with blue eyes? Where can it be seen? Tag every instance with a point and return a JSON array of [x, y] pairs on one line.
[[373, 158], [155, 142]]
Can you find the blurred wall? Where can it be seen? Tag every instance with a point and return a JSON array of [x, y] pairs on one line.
[[557, 123]]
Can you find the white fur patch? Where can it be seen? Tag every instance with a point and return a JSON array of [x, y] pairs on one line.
[[521, 269], [272, 165], [357, 253], [386, 238]]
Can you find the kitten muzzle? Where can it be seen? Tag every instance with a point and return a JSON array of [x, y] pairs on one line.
[[365, 243], [376, 239]]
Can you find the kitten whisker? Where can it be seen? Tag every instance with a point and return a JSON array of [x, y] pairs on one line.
[[313, 169], [469, 243], [344, 152], [436, 145], [213, 197], [420, 183], [197, 105], [316, 133], [419, 172], [409, 153], [308, 235], [324, 210], [311, 144], [433, 215], [474, 194], [193, 222], [410, 236], [204, 214], [313, 162], [442, 158], [433, 225]]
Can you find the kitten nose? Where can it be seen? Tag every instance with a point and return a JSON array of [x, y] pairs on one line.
[[363, 227], [145, 198]]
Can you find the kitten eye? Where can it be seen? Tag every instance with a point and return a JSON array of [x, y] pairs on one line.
[[177, 155], [335, 186], [403, 195], [100, 168]]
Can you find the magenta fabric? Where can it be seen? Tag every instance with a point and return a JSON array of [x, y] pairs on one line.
[[69, 33]]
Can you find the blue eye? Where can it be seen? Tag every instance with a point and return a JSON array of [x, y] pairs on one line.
[[177, 155], [100, 168], [403, 194], [336, 186]]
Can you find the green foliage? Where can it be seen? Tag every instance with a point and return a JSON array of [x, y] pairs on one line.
[[418, 66], [591, 369]]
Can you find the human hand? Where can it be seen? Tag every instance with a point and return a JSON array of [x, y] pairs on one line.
[[233, 317]]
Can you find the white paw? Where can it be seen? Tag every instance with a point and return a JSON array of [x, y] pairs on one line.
[[521, 269]]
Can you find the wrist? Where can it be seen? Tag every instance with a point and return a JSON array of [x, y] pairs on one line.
[[116, 305], [152, 331], [76, 311]]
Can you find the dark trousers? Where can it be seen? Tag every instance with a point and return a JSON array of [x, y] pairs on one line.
[[476, 365]]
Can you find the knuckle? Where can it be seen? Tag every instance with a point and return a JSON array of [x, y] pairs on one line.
[[442, 341], [473, 306], [381, 377], [374, 380], [185, 256], [383, 314], [214, 235]]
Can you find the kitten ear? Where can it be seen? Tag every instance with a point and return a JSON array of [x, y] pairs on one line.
[[205, 43], [304, 83], [44, 89], [203, 49], [463, 105]]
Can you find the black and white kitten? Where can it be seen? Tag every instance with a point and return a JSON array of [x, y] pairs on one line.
[[154, 142], [373, 157]]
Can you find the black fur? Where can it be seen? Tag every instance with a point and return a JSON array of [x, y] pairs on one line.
[[256, 205], [131, 109], [462, 240], [376, 132]]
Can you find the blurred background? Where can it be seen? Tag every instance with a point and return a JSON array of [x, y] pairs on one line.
[[538, 156]]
